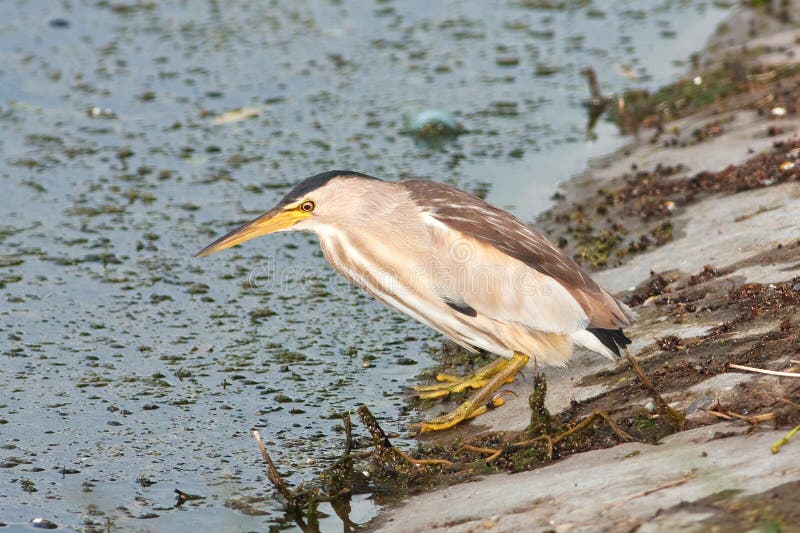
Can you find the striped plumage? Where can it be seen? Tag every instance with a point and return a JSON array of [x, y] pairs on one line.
[[515, 291], [452, 261]]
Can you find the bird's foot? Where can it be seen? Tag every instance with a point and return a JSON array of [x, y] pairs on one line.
[[450, 384], [465, 411], [479, 402], [446, 421], [442, 390]]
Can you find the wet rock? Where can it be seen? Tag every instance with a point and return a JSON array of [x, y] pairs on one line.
[[43, 523], [431, 123]]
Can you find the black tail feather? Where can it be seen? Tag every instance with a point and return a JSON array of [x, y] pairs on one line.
[[614, 339]]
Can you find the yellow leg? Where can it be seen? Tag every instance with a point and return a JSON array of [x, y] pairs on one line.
[[494, 403], [454, 384], [478, 400], [484, 372]]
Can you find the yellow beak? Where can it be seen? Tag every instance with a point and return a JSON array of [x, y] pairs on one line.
[[269, 222]]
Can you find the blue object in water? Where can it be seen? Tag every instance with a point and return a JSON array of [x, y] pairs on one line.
[[432, 122]]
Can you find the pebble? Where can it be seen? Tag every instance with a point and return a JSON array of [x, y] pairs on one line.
[[59, 23]]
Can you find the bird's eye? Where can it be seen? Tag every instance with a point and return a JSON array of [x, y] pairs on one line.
[[307, 206]]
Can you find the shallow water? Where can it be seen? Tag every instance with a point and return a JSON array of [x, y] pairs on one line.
[[130, 368]]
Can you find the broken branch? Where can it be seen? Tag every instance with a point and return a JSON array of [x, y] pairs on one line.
[[272, 472], [383, 446], [662, 405]]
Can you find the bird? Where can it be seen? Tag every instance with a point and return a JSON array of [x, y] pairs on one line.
[[473, 272]]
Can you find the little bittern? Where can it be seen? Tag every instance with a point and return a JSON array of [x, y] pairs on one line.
[[452, 261]]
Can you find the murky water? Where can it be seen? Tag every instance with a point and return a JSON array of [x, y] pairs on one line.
[[130, 369]]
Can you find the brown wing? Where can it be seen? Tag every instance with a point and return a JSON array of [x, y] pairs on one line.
[[472, 216]]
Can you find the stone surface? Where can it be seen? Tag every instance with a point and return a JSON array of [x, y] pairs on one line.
[[712, 236], [614, 489]]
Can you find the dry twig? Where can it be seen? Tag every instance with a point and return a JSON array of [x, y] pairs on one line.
[[765, 371], [730, 415], [493, 453], [719, 414], [669, 485], [662, 405], [755, 419], [552, 441], [272, 472], [789, 402]]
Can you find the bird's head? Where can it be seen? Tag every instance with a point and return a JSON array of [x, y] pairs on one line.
[[319, 199]]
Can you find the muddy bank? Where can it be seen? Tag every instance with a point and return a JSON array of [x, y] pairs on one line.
[[695, 224]]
